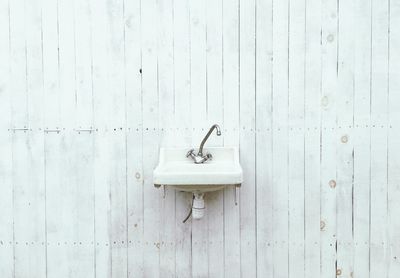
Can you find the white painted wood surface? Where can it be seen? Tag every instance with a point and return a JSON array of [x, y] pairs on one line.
[[309, 91]]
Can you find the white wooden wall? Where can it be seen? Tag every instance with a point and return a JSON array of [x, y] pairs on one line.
[[309, 90]]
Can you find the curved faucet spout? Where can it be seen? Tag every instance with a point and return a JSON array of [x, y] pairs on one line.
[[200, 153]]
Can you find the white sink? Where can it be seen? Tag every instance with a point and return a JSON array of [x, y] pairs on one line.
[[178, 171]]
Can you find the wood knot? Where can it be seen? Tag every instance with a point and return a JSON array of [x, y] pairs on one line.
[[322, 225]]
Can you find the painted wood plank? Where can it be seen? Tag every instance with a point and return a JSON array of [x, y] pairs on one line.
[[29, 204], [83, 16], [134, 138], [23, 264], [102, 112], [135, 202], [58, 72], [328, 203], [296, 137], [183, 246], [116, 134], [6, 233], [34, 69], [6, 175], [361, 138], [361, 200], [103, 258], [165, 50], [60, 211], [328, 138], [198, 69], [230, 77], [167, 235], [83, 144], [50, 36], [393, 266], [117, 181], [29, 160], [66, 67], [312, 201], [214, 102], [76, 113], [312, 167], [59, 166], [378, 244], [393, 141], [214, 66], [182, 103], [166, 121], [215, 215], [345, 149], [150, 93], [17, 48], [264, 148], [84, 233], [379, 147], [83, 253], [247, 92], [6, 172], [280, 139], [151, 205]]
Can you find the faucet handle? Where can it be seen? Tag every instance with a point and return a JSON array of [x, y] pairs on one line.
[[190, 153], [209, 156]]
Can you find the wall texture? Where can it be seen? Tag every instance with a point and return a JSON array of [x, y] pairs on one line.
[[309, 91]]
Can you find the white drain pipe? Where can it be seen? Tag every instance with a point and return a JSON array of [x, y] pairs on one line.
[[198, 207]]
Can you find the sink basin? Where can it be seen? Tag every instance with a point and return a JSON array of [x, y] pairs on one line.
[[178, 171]]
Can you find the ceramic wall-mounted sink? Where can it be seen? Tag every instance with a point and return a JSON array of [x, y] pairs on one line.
[[178, 171], [199, 171]]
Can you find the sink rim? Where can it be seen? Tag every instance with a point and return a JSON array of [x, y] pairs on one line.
[[230, 170]]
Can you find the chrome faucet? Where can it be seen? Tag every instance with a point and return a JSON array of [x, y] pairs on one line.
[[199, 157]]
